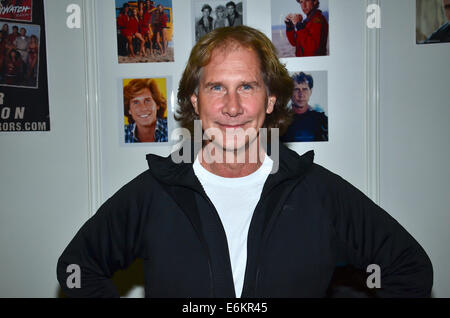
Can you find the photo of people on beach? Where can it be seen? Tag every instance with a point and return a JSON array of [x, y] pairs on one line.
[[300, 27], [213, 14], [144, 31], [19, 55], [145, 110]]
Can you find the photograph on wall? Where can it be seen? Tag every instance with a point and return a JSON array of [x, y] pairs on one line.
[[214, 14], [300, 28], [309, 104], [432, 21], [20, 61], [144, 31], [16, 10], [24, 103], [145, 109]]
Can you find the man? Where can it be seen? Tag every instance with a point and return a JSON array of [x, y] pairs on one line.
[[309, 36], [234, 18], [443, 33], [145, 108], [240, 229], [308, 124], [205, 24], [15, 33], [21, 43], [122, 31]]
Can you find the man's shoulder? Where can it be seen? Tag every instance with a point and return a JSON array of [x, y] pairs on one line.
[[318, 114], [318, 17], [440, 35], [139, 185], [323, 185]]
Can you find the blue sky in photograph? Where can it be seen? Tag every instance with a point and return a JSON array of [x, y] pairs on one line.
[[166, 3], [120, 3], [32, 29]]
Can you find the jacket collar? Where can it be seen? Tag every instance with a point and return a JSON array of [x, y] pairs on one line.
[[165, 170], [176, 175]]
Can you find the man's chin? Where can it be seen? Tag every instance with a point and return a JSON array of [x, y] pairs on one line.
[[146, 124], [300, 109]]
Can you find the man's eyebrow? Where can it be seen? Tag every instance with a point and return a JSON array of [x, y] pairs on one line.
[[254, 83], [210, 84]]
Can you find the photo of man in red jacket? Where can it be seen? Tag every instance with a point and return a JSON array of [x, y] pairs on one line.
[[308, 35]]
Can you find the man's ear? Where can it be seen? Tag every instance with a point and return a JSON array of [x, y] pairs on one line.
[[194, 102], [270, 104]]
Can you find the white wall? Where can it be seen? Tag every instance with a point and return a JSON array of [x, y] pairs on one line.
[[44, 177], [415, 131]]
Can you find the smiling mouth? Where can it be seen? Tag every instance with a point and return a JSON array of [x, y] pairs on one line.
[[144, 116], [231, 126]]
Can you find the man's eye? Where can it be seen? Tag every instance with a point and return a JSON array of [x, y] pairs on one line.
[[246, 87], [216, 88]]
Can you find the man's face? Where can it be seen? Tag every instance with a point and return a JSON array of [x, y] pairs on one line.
[[308, 5], [232, 97], [230, 10], [23, 32], [300, 98], [206, 12], [143, 108], [446, 4]]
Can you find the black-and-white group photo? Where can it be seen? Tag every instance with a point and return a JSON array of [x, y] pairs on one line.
[[213, 14]]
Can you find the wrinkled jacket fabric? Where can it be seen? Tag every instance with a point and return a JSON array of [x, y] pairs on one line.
[[307, 222]]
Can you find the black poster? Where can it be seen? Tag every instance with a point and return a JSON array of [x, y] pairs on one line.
[[24, 104]]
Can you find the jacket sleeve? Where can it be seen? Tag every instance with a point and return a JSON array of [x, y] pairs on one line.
[[107, 242], [290, 33], [368, 235]]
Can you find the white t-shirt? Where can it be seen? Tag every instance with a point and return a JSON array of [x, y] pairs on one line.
[[235, 199]]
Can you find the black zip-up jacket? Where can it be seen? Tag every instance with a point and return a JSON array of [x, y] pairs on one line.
[[307, 222]]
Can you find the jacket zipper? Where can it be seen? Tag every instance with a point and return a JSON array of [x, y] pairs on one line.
[[218, 217]]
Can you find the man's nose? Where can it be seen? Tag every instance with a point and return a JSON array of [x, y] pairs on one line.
[[232, 105], [142, 106]]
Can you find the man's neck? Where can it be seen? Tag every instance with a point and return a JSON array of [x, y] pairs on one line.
[[146, 133], [300, 110], [311, 13], [234, 164]]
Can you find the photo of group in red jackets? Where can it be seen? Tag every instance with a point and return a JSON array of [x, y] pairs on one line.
[[19, 55], [300, 27], [144, 31]]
